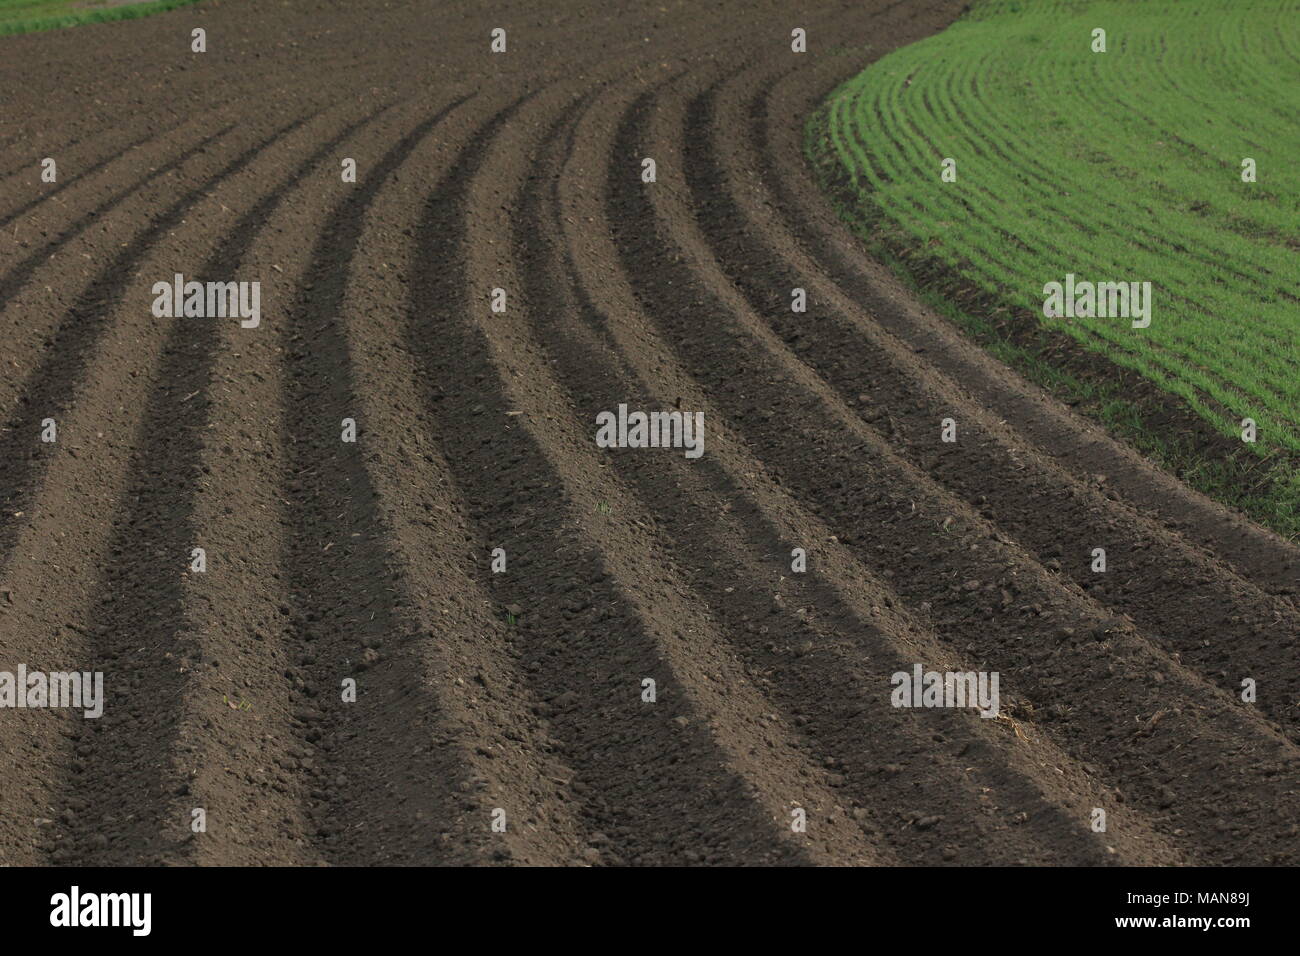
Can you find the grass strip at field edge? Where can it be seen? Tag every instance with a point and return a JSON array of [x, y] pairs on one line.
[[76, 16]]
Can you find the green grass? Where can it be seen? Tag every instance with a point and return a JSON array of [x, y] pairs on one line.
[[1123, 165], [27, 16]]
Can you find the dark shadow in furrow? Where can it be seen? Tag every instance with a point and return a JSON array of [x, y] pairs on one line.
[[840, 697], [658, 791], [1045, 641], [1194, 605], [124, 765], [80, 175], [31, 162], [51, 386], [15, 278], [29, 145], [353, 596]]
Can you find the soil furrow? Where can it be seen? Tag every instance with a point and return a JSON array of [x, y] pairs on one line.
[[1220, 624], [149, 626], [114, 487], [486, 718], [235, 751], [988, 591], [75, 171], [837, 597], [74, 340], [652, 776], [89, 218]]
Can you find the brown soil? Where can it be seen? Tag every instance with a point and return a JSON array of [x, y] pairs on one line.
[[371, 561]]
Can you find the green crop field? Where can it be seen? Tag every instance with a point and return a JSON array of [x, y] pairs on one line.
[[25, 16], [1122, 165]]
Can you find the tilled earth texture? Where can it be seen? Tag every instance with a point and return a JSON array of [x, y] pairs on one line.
[[475, 634]]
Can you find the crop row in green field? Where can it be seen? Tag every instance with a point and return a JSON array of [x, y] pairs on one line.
[[1122, 165]]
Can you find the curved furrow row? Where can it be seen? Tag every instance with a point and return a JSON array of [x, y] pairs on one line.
[[806, 639], [22, 150], [38, 285], [990, 594], [544, 299], [57, 324], [89, 234], [41, 255], [479, 708], [27, 190], [92, 579], [662, 781], [378, 564], [235, 750], [52, 280], [1221, 623]]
